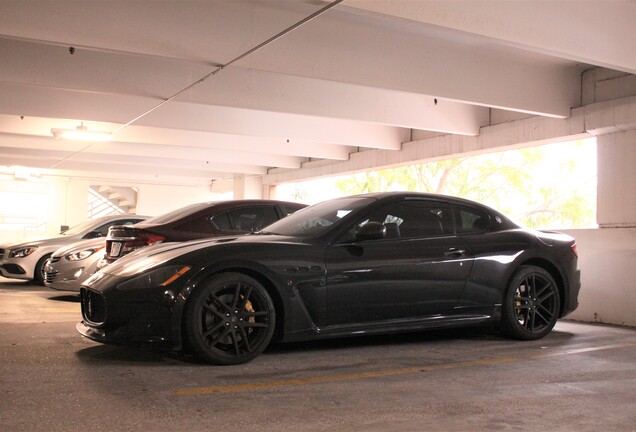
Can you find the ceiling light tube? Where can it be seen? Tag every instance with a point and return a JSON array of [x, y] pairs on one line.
[[82, 133]]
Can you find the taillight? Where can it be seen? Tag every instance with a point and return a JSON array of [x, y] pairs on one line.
[[143, 239], [576, 253], [119, 246]]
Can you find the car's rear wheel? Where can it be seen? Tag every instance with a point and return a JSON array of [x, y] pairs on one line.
[[229, 319], [531, 305], [38, 273]]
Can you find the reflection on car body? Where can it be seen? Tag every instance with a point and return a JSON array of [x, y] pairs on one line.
[[365, 264]]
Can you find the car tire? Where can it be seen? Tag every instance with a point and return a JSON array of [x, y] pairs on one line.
[[38, 272], [229, 319], [531, 305]]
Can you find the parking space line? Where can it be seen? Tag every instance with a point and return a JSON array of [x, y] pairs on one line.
[[389, 372]]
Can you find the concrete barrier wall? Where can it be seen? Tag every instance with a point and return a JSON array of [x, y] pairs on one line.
[[607, 259]]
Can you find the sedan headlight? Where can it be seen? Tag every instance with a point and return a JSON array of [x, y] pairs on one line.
[[83, 254], [158, 277], [22, 252]]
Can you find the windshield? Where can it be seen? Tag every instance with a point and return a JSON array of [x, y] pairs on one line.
[[81, 228], [318, 219]]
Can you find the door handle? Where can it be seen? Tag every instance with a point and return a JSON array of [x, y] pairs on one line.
[[454, 252]]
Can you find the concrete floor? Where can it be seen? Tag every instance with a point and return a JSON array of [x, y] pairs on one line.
[[579, 378]]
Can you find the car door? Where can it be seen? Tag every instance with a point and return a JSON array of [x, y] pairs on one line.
[[417, 270]]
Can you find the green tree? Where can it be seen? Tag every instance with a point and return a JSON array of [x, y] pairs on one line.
[[510, 181]]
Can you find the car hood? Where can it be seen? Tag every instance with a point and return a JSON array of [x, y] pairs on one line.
[[49, 241], [151, 256], [80, 246]]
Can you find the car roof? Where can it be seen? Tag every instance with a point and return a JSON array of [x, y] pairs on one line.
[[193, 209]]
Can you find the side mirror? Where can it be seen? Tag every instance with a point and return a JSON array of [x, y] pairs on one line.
[[371, 231], [92, 235]]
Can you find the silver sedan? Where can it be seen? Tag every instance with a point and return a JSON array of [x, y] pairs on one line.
[[26, 259], [70, 265]]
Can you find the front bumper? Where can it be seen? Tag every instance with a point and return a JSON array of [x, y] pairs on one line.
[[13, 271], [129, 321], [64, 278]]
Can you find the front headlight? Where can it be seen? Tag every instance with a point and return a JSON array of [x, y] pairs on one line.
[[158, 277], [78, 256], [22, 252]]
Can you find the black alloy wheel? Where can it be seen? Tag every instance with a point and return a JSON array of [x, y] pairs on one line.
[[39, 273], [531, 305], [230, 319]]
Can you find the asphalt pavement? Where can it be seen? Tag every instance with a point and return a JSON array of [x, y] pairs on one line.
[[582, 377]]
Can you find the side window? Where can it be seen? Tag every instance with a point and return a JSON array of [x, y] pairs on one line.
[[128, 221], [287, 210], [104, 228], [471, 221], [250, 219], [220, 222], [413, 218]]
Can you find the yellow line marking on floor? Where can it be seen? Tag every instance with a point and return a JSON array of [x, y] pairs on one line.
[[388, 372]]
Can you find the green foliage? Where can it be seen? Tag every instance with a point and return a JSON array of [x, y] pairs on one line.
[[524, 184]]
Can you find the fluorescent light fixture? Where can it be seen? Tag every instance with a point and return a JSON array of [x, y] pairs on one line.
[[82, 133]]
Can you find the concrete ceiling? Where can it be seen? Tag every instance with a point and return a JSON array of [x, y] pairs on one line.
[[362, 75]]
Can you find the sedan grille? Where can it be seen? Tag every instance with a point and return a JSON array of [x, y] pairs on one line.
[[93, 307], [50, 276]]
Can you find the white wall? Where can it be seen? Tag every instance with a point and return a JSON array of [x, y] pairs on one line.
[[64, 201], [607, 259], [153, 200]]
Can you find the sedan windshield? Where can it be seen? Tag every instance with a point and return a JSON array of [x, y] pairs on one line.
[[318, 219], [81, 228]]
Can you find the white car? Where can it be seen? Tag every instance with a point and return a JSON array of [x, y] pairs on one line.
[[26, 260]]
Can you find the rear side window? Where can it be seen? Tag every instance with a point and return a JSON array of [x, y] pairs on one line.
[[287, 210], [220, 222], [471, 221], [245, 219]]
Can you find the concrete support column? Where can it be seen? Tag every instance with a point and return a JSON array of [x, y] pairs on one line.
[[248, 187], [617, 179], [68, 203]]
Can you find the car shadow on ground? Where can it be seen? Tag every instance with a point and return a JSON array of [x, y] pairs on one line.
[[16, 284], [406, 338], [152, 355], [113, 354], [149, 354], [69, 298]]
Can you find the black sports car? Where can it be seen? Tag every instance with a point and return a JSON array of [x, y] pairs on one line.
[[363, 264]]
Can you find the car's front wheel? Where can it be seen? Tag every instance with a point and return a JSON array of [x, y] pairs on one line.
[[531, 304], [229, 319], [38, 273]]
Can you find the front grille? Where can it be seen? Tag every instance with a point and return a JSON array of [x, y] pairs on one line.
[[50, 276], [54, 259], [1, 253], [93, 307]]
